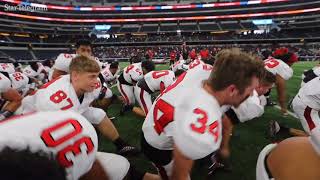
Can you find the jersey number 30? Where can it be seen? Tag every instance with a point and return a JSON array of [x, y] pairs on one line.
[[75, 148]]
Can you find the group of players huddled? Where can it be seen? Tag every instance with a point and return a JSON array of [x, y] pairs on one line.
[[50, 114]]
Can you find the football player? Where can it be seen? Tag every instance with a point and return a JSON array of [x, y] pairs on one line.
[[36, 71], [184, 123], [7, 93], [76, 92], [251, 108], [128, 79], [306, 105], [7, 67], [61, 141], [108, 75], [152, 82], [310, 74], [280, 65], [61, 64]]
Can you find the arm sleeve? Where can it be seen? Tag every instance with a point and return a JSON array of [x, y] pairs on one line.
[[285, 71]]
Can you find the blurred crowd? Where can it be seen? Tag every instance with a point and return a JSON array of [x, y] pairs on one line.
[[103, 52]]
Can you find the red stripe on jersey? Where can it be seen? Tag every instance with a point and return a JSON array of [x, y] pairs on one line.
[[49, 83], [124, 94], [307, 116], [143, 101]]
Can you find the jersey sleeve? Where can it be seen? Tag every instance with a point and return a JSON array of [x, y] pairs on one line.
[[5, 83], [136, 75], [62, 62], [249, 109], [285, 71], [198, 131]]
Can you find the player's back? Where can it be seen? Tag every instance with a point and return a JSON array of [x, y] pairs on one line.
[[133, 73], [67, 135], [63, 61], [177, 108], [156, 79], [277, 66], [310, 93], [19, 80], [7, 67]]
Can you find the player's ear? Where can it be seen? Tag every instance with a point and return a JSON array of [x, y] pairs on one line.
[[74, 74], [232, 90]]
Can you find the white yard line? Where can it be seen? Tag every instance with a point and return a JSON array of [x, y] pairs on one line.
[[289, 112]]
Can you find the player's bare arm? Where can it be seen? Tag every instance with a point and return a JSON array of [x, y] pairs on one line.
[[281, 89], [182, 165], [57, 73]]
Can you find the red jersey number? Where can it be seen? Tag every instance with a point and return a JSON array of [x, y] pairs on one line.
[[18, 76], [68, 56], [194, 64], [271, 63], [166, 118], [166, 108], [129, 68], [201, 126], [158, 74], [58, 97], [74, 148]]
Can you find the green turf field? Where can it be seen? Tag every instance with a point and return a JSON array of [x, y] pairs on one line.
[[248, 139]]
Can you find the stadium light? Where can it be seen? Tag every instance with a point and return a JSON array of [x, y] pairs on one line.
[[102, 27]]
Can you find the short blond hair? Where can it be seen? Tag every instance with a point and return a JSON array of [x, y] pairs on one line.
[[232, 66], [84, 64]]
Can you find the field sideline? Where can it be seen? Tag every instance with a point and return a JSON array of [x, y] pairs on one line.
[[247, 141]]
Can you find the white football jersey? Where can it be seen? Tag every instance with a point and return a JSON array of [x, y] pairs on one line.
[[276, 66], [5, 83], [310, 93], [7, 67], [133, 73], [107, 75], [200, 66], [159, 80], [187, 116], [59, 94], [195, 63], [250, 108], [63, 61], [19, 80], [32, 73], [181, 64], [65, 134]]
